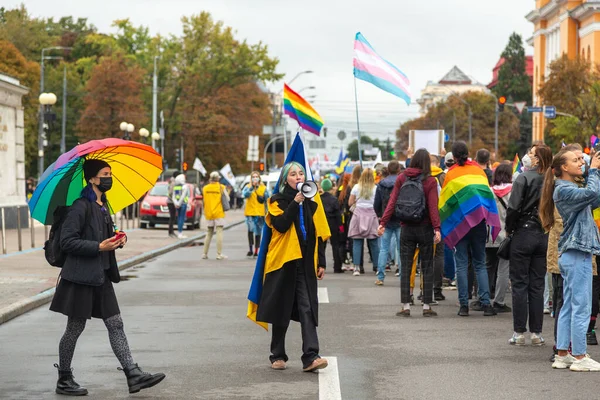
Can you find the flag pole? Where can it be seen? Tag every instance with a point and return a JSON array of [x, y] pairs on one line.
[[357, 124]]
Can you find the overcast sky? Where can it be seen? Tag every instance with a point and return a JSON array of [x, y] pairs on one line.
[[423, 38]]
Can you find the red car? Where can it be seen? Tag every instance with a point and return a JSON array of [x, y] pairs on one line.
[[154, 208]]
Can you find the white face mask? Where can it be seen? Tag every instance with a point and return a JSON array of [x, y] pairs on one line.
[[255, 180], [526, 161]]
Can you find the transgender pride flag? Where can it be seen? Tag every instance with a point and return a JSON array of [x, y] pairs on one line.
[[371, 67]]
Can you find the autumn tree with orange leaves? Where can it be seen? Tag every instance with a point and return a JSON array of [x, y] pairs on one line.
[[113, 96]]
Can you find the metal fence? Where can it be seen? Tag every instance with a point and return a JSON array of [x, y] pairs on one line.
[[129, 218]]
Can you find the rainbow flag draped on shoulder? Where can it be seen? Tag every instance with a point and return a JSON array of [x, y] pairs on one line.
[[297, 153], [466, 200]]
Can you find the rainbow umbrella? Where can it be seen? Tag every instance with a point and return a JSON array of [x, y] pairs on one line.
[[135, 169]]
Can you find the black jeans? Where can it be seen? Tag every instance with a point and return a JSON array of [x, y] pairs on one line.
[[410, 237], [337, 253], [438, 268], [557, 300], [491, 261], [172, 217], [527, 276], [310, 341]]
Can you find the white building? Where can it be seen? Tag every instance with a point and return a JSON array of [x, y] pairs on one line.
[[454, 82]]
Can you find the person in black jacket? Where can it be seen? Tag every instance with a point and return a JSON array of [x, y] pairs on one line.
[[528, 249], [85, 289], [333, 213]]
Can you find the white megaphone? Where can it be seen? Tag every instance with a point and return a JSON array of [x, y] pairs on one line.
[[308, 189]]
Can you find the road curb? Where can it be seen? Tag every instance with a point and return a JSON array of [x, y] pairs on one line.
[[33, 302]]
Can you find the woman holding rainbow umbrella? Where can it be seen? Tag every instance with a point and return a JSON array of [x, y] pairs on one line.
[[94, 180]]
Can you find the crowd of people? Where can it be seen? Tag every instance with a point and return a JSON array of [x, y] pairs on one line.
[[475, 224]]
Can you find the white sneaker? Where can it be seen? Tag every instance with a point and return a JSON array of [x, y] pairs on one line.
[[547, 311], [222, 257], [517, 339], [537, 339], [586, 364], [181, 236], [563, 362], [356, 272], [204, 256]]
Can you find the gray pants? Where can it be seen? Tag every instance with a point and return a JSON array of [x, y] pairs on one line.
[[501, 280]]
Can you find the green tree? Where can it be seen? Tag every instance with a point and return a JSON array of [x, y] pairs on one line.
[[364, 140], [513, 81]]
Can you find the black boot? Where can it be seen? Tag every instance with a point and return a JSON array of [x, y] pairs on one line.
[[138, 379], [67, 385]]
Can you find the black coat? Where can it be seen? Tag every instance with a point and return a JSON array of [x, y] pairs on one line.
[[81, 243], [331, 206], [277, 302]]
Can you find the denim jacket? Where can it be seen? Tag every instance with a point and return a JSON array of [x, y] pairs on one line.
[[575, 205]]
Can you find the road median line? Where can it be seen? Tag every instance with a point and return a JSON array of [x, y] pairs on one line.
[[25, 305]]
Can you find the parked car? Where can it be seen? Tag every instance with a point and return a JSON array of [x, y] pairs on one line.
[[155, 211]]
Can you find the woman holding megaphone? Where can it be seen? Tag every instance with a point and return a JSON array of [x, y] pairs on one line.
[[295, 260]]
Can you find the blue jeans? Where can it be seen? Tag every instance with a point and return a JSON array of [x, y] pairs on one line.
[[357, 246], [474, 241], [574, 317], [390, 236], [449, 265], [181, 217]]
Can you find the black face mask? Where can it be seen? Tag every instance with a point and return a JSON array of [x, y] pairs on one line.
[[105, 184]]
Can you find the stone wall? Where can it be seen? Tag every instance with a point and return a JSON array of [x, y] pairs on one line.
[[12, 152]]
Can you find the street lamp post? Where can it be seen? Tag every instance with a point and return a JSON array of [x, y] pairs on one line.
[[306, 88], [453, 93], [47, 100], [127, 129], [144, 133], [41, 116]]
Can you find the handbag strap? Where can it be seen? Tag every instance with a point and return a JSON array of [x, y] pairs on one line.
[[501, 200]]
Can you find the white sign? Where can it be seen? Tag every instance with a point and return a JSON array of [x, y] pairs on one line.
[[520, 105], [252, 154], [199, 167], [432, 141], [228, 174]]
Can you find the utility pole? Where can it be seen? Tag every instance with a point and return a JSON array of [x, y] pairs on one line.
[[470, 127], [41, 123], [454, 127], [496, 132], [154, 99], [63, 133]]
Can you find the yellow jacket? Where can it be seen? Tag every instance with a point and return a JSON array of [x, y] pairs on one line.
[[211, 194], [253, 207]]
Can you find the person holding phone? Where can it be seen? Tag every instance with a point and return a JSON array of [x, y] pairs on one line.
[[88, 238], [578, 242], [255, 193]]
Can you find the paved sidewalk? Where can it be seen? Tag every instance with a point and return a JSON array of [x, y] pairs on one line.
[[28, 281]]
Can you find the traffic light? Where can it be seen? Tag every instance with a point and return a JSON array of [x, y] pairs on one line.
[[392, 153], [501, 103], [177, 157], [184, 166], [261, 167]]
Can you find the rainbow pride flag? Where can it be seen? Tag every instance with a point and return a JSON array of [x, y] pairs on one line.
[[517, 166], [466, 200], [300, 110]]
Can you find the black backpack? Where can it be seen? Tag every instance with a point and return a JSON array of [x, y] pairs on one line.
[[410, 205], [52, 250], [386, 193]]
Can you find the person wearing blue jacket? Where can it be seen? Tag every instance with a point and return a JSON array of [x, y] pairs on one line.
[[578, 242]]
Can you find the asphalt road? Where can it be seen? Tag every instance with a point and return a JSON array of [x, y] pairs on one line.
[[186, 317]]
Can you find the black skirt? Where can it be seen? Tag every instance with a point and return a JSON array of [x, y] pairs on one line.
[[83, 301]]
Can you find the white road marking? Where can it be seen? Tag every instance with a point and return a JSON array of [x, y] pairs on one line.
[[329, 381], [322, 295]]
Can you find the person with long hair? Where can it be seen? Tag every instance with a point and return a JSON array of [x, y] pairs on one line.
[[85, 289], [343, 197], [498, 268], [290, 286], [424, 233], [466, 211], [364, 220], [578, 242], [528, 249]]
